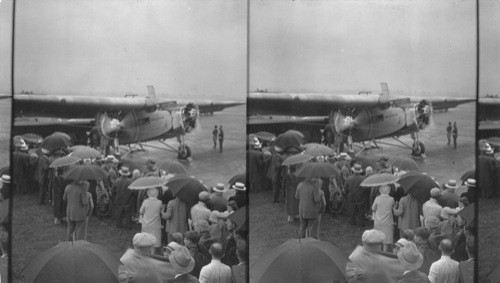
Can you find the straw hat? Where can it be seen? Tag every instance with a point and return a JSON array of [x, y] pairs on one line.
[[219, 188], [452, 184], [124, 171], [239, 186], [357, 168], [470, 183]]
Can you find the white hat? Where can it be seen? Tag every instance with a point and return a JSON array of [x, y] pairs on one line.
[[124, 171], [24, 146], [452, 184], [372, 237], [144, 240], [5, 179], [357, 168], [470, 183], [239, 186], [219, 188], [489, 150]]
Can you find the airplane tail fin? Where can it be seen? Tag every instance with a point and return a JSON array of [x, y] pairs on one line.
[[385, 89], [151, 92]]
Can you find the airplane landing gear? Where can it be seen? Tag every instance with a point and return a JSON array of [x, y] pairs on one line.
[[418, 150], [184, 152]]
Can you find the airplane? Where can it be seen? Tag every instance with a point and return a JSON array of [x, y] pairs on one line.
[[355, 117], [126, 121], [488, 117]]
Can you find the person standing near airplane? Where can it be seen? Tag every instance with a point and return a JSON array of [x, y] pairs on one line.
[[221, 137], [455, 134], [215, 134], [448, 132]]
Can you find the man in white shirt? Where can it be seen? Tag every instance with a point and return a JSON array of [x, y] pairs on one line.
[[216, 271], [445, 270]]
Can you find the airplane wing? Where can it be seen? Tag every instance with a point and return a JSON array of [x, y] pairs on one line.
[[210, 106], [489, 116], [302, 104], [443, 103], [5, 96], [34, 105]]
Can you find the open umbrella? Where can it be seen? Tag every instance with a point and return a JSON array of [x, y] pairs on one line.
[[318, 169], [319, 150], [147, 182], [305, 260], [239, 217], [185, 188], [402, 163], [297, 159], [86, 152], [77, 147], [171, 166], [288, 139], [367, 160], [85, 172], [297, 133], [310, 144], [417, 184], [64, 161], [378, 180], [78, 261], [56, 141], [468, 175], [242, 178]]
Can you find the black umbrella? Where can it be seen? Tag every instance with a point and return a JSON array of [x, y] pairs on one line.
[[85, 172], [78, 261], [242, 178], [402, 163], [265, 136], [418, 185], [239, 218], [32, 138], [288, 139], [86, 152], [186, 188], [56, 141], [468, 213], [468, 175], [318, 169]]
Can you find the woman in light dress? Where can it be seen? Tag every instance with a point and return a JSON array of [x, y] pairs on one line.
[[150, 217], [382, 215]]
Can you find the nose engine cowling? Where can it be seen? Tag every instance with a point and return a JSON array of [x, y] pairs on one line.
[[423, 112]]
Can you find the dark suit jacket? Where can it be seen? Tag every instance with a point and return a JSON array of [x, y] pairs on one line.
[[187, 278], [240, 198], [356, 193], [239, 273], [123, 196], [414, 276], [308, 195], [217, 202], [78, 202]]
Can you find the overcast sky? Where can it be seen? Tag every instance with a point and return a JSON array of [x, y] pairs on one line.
[[489, 64], [184, 48], [334, 45], [5, 45]]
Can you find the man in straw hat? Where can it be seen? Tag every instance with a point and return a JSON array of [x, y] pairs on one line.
[[472, 193], [216, 271], [449, 198], [241, 194], [124, 198], [411, 260], [357, 196], [140, 265], [217, 200], [445, 269], [183, 264]]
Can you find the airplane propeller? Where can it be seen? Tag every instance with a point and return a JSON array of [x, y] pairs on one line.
[[344, 124]]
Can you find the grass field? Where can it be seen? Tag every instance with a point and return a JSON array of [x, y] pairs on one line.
[[34, 231], [489, 231]]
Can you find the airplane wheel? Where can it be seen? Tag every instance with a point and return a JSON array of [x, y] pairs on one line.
[[420, 151], [104, 205], [184, 154]]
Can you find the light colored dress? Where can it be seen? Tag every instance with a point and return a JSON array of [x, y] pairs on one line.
[[150, 220], [382, 216]]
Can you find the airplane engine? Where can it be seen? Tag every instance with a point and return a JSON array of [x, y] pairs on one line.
[[108, 126], [423, 112]]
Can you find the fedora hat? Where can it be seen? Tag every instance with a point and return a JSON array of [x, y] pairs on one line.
[[181, 260], [470, 183], [5, 179], [357, 168], [219, 188], [239, 186], [124, 171], [452, 184], [409, 257]]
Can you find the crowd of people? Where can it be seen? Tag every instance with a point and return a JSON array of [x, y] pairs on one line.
[[178, 241], [437, 233]]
